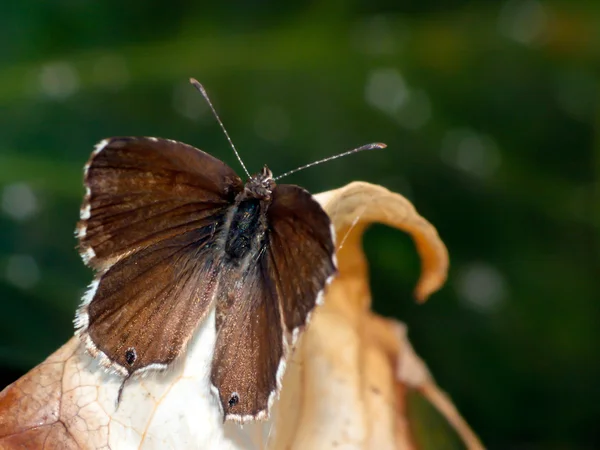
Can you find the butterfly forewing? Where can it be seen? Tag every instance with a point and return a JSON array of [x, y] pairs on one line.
[[301, 252], [143, 190]]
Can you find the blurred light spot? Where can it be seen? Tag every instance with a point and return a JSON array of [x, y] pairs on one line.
[[272, 124], [374, 36], [19, 201], [577, 91], [474, 153], [59, 80], [416, 111], [110, 70], [386, 90], [522, 20], [482, 287], [189, 103], [22, 271]]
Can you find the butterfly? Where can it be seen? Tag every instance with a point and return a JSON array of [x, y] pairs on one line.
[[173, 232]]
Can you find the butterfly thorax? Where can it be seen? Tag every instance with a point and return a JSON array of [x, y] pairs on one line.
[[246, 223]]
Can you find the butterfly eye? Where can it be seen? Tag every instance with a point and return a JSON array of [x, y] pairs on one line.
[[130, 355], [234, 400]]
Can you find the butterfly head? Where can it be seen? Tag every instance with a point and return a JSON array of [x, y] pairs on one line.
[[259, 186]]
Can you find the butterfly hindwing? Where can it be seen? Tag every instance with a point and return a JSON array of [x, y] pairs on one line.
[[145, 308], [250, 348]]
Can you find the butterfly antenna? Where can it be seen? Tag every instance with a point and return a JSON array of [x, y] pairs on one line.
[[198, 86], [374, 146]]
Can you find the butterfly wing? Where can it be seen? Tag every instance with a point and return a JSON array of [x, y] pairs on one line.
[[249, 351], [142, 190], [301, 252], [268, 303], [140, 314], [149, 222]]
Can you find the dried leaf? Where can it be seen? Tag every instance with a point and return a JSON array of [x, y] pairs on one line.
[[341, 389], [347, 392]]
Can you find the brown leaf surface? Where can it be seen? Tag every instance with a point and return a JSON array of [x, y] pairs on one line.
[[344, 387]]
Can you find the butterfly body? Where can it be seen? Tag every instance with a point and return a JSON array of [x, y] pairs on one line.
[[173, 233], [246, 225]]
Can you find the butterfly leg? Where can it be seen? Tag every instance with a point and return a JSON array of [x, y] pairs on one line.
[[120, 393]]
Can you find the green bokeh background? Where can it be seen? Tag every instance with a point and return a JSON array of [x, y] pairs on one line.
[[490, 113]]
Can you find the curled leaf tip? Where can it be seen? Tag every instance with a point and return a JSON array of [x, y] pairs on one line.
[[355, 206]]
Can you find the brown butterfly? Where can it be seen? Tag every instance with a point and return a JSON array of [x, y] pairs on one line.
[[172, 233]]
